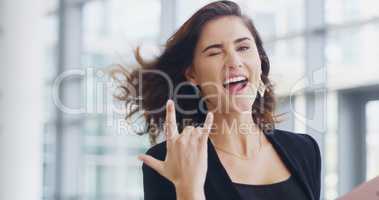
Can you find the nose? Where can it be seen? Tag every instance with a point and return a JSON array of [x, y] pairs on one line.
[[233, 60]]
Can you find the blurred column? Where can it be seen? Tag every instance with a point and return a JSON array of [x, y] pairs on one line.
[[352, 148], [285, 106], [315, 71], [69, 125], [22, 57], [168, 19], [351, 140]]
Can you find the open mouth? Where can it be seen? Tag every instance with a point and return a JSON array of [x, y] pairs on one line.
[[235, 84]]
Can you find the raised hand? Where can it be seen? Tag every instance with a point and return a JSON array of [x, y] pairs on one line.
[[186, 160]]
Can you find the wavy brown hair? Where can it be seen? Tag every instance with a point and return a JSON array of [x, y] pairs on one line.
[[176, 57]]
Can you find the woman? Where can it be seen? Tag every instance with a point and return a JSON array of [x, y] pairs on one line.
[[221, 143]]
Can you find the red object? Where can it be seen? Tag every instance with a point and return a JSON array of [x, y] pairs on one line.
[[366, 191]]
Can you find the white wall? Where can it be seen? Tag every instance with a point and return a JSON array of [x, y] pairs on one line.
[[21, 61]]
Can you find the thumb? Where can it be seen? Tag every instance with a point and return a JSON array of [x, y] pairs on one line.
[[150, 161]]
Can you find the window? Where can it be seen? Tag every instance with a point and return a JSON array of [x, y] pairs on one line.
[[349, 52], [372, 139]]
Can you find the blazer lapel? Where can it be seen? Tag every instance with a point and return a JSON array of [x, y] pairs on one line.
[[291, 163], [218, 179]]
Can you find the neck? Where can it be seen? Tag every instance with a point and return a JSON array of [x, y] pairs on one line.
[[237, 133]]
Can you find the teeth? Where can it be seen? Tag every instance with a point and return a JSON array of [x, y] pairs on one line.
[[235, 79]]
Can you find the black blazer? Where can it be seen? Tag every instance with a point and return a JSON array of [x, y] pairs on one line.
[[299, 152]]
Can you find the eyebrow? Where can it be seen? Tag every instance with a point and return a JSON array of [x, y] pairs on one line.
[[220, 45]]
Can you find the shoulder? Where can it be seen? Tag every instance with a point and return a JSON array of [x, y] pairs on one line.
[[305, 150], [300, 146], [158, 151], [294, 141]]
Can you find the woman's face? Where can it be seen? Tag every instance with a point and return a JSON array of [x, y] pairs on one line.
[[226, 65]]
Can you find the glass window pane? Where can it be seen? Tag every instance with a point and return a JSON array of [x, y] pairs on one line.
[[340, 11], [111, 29], [372, 139], [271, 17], [351, 57], [274, 18], [287, 64], [185, 9]]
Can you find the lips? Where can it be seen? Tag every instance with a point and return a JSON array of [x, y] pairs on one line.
[[235, 80], [235, 84]]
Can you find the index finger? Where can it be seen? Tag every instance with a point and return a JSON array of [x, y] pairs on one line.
[[208, 123], [171, 128]]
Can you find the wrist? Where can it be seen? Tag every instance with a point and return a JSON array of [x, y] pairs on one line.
[[188, 192]]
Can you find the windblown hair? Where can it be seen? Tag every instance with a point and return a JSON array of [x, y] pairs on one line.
[[176, 57]]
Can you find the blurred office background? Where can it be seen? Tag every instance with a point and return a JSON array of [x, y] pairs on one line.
[[324, 61]]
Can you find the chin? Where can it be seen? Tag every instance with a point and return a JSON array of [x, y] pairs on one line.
[[241, 106]]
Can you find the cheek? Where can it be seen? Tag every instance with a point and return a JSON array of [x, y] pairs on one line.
[[209, 70], [255, 71], [252, 59], [254, 65]]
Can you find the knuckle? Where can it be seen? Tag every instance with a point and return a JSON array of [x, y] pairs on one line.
[[168, 123], [181, 141], [187, 130], [199, 130]]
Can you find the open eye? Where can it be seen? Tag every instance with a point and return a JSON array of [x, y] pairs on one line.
[[243, 48]]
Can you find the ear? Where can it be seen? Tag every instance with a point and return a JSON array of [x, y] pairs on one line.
[[190, 75]]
